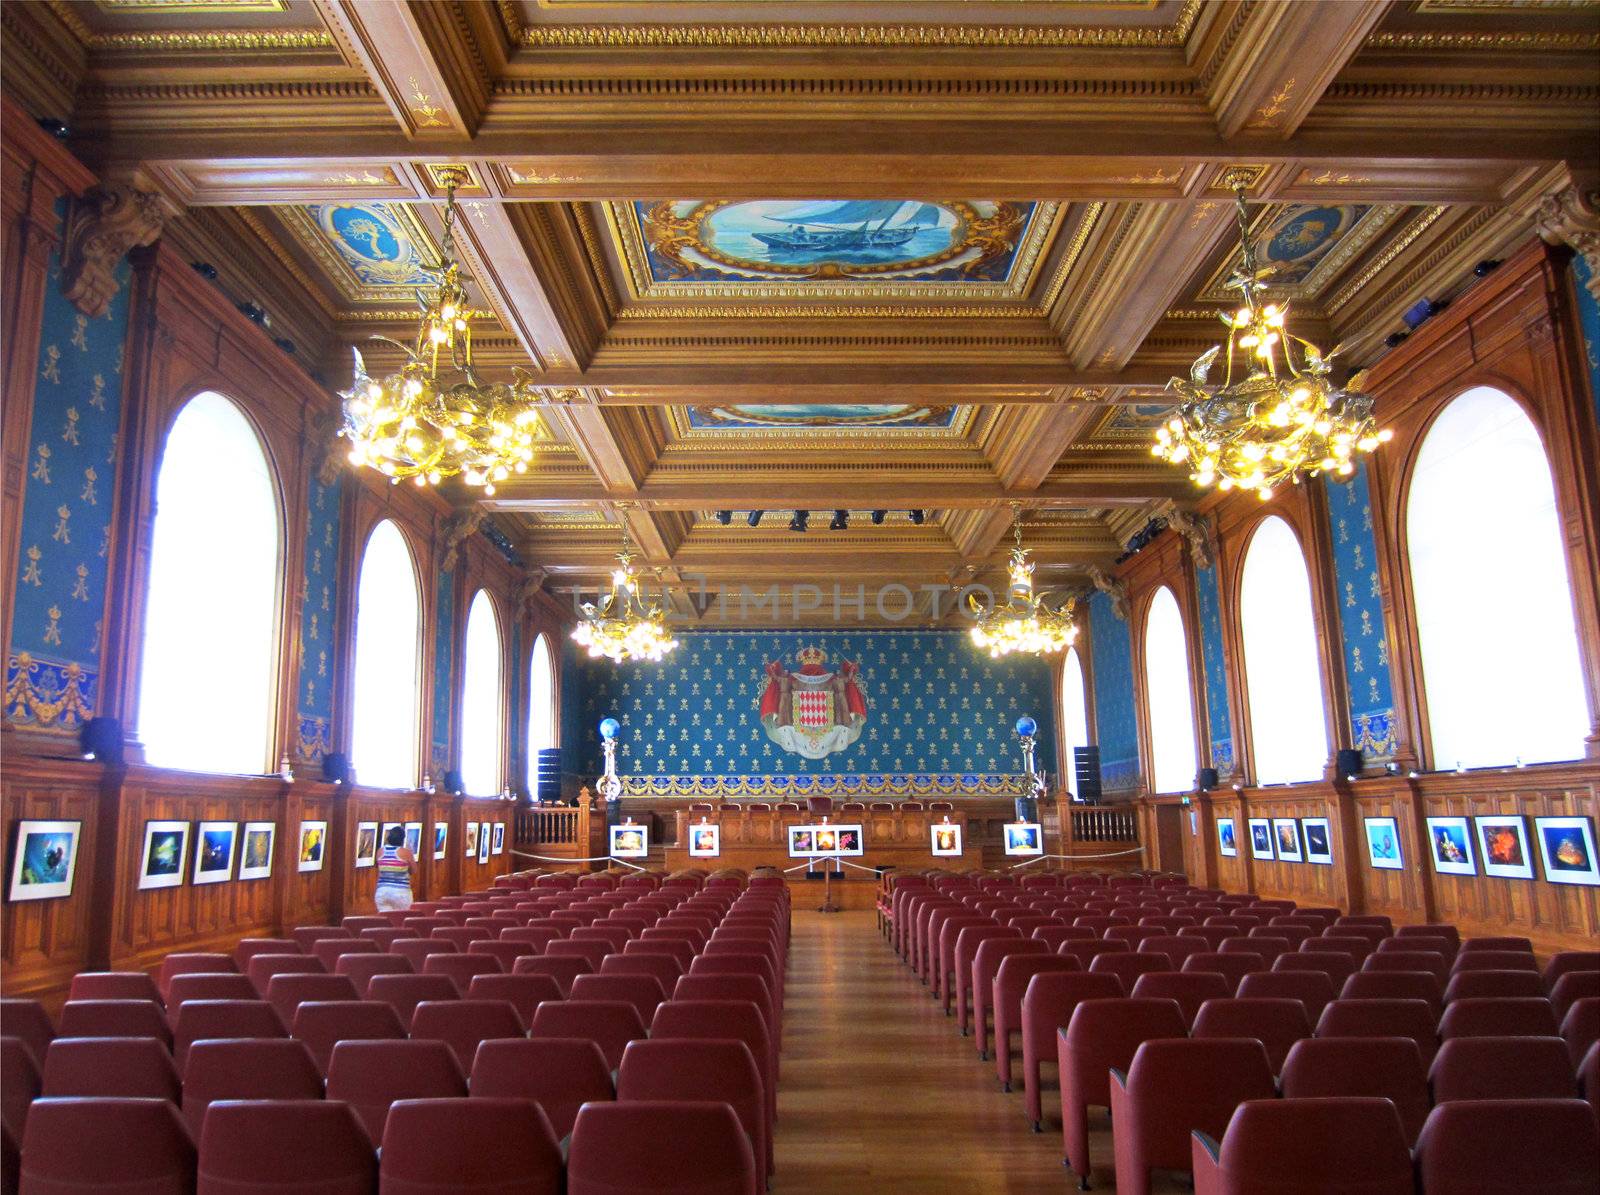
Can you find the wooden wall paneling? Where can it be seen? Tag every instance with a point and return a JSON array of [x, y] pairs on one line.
[[1230, 872], [1305, 883], [381, 805], [1404, 893], [313, 897]]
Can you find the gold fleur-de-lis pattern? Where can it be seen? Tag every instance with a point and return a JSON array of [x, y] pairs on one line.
[[315, 714], [1589, 321], [936, 709], [1111, 649], [443, 669], [1216, 673], [53, 659], [1366, 650]]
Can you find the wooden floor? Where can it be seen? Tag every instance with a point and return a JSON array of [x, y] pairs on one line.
[[880, 1093]]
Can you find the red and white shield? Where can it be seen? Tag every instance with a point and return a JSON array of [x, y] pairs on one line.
[[813, 710]]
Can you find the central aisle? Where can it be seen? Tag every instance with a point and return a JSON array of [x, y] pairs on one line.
[[879, 1093]]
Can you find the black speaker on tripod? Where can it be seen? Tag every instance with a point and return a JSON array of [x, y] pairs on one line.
[[336, 767], [1348, 762], [102, 738], [1086, 765]]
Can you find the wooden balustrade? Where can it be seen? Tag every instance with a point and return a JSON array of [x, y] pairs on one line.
[[1103, 823], [560, 832]]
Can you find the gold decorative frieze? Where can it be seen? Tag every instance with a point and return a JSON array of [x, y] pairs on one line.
[[1393, 250], [1445, 39]]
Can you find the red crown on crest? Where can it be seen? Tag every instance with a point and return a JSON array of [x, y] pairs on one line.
[[811, 655]]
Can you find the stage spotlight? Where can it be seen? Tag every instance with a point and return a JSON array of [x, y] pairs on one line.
[[754, 517], [877, 517], [724, 517], [799, 521], [841, 521], [916, 517]]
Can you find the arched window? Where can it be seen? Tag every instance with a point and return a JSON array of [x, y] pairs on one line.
[[206, 689], [482, 700], [1166, 681], [383, 736], [1288, 730], [1074, 715], [541, 706], [1506, 687]]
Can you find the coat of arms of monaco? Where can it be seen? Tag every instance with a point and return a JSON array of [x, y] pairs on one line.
[[816, 709]]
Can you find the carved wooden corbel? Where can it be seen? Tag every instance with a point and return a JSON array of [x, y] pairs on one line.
[[1195, 529], [327, 448], [461, 526], [532, 586], [1572, 217], [1114, 589], [100, 229]]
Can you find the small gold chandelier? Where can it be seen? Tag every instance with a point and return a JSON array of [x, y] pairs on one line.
[[1024, 623], [1283, 419], [412, 424], [621, 625]]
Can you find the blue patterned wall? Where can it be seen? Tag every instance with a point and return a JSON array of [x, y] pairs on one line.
[[1366, 649], [1589, 320], [1216, 675], [517, 728], [444, 639], [569, 728], [53, 661], [1116, 723], [940, 715], [319, 599]]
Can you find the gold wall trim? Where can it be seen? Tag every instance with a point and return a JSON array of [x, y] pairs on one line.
[[565, 37], [1395, 247], [1503, 40]]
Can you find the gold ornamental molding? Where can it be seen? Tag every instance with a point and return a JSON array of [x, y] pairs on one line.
[[1395, 248], [1503, 40], [207, 40], [802, 310]]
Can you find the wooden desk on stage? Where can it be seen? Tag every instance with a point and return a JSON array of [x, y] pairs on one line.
[[760, 838]]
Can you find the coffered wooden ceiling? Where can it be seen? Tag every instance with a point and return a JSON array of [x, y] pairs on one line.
[[1045, 178]]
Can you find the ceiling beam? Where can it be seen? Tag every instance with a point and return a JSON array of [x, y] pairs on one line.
[[419, 58]]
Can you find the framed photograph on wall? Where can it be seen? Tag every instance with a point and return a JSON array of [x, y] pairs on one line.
[[313, 846], [383, 833], [414, 839], [166, 850], [1260, 838], [1383, 843], [1450, 844], [255, 850], [46, 859], [1566, 846], [705, 841], [1318, 839], [484, 834], [946, 839], [499, 845], [1227, 841], [1286, 837], [366, 844], [1024, 838], [470, 833], [213, 851], [1503, 841], [441, 832]]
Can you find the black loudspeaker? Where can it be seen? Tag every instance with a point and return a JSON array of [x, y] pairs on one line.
[[1207, 779], [1349, 763], [102, 738], [452, 782], [1086, 765], [336, 767]]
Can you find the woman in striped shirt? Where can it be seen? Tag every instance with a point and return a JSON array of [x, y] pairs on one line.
[[394, 872]]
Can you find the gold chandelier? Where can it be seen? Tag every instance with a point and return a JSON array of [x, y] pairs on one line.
[[621, 625], [417, 424], [1024, 623], [1276, 417]]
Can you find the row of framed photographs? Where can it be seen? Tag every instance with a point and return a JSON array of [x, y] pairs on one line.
[[1456, 844], [1307, 840], [483, 839], [167, 847]]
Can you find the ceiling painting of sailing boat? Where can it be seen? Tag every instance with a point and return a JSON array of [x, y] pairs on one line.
[[819, 416], [949, 242]]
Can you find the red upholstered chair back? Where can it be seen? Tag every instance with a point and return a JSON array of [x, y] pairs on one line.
[[1394, 985], [1189, 989], [1549, 1146], [523, 992], [1493, 984], [626, 1147], [254, 1145], [65, 1147], [1478, 1016], [113, 1018], [469, 1145], [1390, 1067], [1173, 1087], [113, 985], [1276, 1022], [246, 1069], [198, 1020], [404, 992], [371, 1075], [20, 1082], [322, 1024], [697, 1070], [136, 1067], [610, 1024], [1328, 1145], [202, 985], [1383, 1018], [462, 1024], [1502, 1068], [287, 992], [561, 1074]]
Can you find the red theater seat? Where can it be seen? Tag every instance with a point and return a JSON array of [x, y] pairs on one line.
[[1572, 987], [27, 1021], [246, 1069], [1499, 1017], [1047, 1006], [1102, 1035], [1175, 1086], [461, 969], [113, 1018], [371, 1075], [1010, 987], [1327, 1146], [249, 1147], [360, 968], [64, 1148], [1516, 945], [644, 992], [623, 1149], [562, 970], [1567, 961], [1502, 1068], [985, 965], [136, 1067], [404, 992], [1383, 1018], [1390, 1067], [263, 967], [1394, 985], [1502, 985], [462, 1024], [1434, 930], [1409, 960], [1494, 960], [496, 1146], [1232, 967], [523, 992], [1589, 1077], [717, 1020], [1580, 1028], [610, 1024], [1475, 1147], [700, 1070], [1276, 1022], [187, 963], [198, 1020], [1127, 966], [287, 992], [417, 951], [729, 987], [329, 951], [560, 1074], [322, 1024], [248, 948], [306, 936], [1337, 967], [205, 986], [20, 1082], [113, 985], [1189, 989]]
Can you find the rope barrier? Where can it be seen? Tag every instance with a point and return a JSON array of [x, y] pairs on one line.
[[1077, 858], [595, 859]]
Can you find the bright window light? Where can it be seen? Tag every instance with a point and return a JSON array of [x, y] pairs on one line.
[[1288, 730], [1074, 714], [1499, 659], [481, 700], [1166, 676], [541, 706], [211, 617], [383, 740]]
